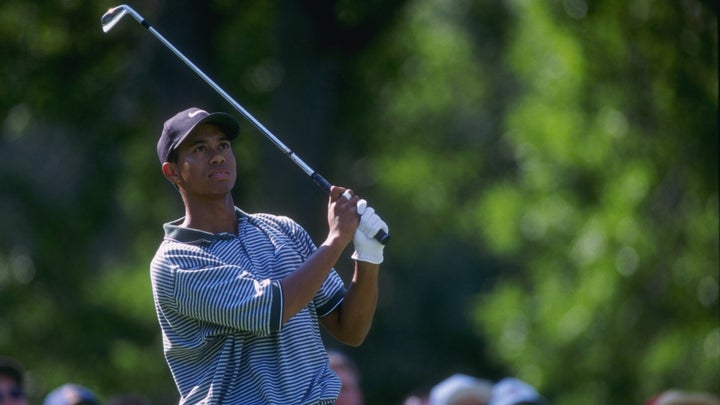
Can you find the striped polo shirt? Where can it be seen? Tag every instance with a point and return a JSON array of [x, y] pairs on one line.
[[219, 304]]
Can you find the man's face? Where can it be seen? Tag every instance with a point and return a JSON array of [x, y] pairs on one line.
[[11, 393], [205, 164]]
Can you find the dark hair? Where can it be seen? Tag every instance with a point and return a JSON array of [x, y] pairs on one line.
[[12, 369], [173, 156]]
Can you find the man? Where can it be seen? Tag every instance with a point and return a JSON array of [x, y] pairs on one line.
[[680, 397], [511, 391], [240, 296], [71, 394], [351, 392], [12, 383], [461, 389]]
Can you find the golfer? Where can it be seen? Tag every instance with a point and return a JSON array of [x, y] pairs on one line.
[[240, 297]]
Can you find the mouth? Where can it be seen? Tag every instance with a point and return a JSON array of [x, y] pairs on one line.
[[219, 174]]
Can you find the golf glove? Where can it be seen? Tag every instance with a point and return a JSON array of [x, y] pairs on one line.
[[367, 249]]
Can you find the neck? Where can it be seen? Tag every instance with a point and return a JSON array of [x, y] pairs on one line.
[[215, 216]]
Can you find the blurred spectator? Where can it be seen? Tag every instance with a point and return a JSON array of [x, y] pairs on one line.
[[677, 397], [350, 392], [511, 391], [71, 394], [12, 383], [461, 389], [419, 396], [128, 399]]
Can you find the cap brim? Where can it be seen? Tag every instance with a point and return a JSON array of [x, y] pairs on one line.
[[226, 122]]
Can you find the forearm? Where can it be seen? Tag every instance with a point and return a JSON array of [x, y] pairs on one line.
[[354, 318], [300, 286]]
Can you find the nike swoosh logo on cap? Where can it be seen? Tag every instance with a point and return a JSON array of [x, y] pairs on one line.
[[194, 113]]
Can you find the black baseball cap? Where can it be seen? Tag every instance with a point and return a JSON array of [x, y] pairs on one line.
[[177, 128]]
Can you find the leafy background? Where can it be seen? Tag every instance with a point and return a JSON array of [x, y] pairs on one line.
[[549, 170]]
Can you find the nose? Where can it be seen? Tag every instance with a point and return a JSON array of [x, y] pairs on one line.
[[218, 157]]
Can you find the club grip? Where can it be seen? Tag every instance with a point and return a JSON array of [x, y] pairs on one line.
[[321, 182], [381, 236]]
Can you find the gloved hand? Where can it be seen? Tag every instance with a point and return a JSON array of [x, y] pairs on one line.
[[367, 248]]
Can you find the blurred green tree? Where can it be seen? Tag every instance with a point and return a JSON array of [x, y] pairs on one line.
[[613, 210], [583, 157]]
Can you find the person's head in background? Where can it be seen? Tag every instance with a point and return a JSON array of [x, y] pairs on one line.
[[71, 394], [351, 392], [680, 397], [461, 389], [511, 391], [12, 383]]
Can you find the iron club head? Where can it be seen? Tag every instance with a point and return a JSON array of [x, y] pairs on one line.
[[113, 15]]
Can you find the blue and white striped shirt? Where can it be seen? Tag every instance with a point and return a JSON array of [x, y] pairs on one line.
[[219, 304]]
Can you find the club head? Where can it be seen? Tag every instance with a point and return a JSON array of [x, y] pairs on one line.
[[113, 15]]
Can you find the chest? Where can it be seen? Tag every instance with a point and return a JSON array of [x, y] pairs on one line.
[[265, 255]]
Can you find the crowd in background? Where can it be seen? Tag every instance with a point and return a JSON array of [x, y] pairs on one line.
[[457, 389], [462, 389], [13, 390]]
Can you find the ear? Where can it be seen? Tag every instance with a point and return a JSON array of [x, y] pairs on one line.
[[170, 172]]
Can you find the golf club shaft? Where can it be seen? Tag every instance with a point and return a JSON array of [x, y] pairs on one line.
[[115, 14]]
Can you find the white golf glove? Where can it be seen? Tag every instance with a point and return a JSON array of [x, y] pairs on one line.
[[367, 248]]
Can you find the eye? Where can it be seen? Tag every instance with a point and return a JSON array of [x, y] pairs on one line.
[[200, 148], [224, 145]]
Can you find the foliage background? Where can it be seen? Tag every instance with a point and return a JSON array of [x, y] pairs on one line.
[[549, 170]]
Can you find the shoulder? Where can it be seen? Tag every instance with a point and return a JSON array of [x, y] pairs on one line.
[[277, 222], [172, 255]]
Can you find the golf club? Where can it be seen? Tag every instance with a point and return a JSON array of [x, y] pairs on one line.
[[115, 14]]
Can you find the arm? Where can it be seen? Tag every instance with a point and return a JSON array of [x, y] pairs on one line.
[[351, 321], [301, 285]]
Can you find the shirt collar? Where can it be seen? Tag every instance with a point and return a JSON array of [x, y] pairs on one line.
[[174, 231]]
